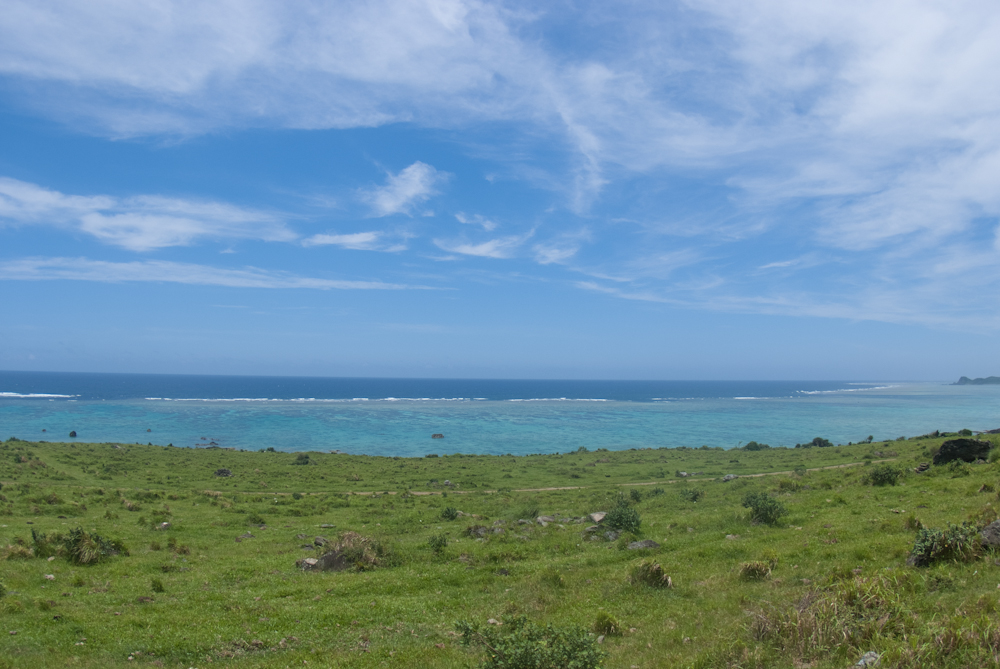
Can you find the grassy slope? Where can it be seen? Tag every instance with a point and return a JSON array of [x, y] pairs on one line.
[[234, 602]]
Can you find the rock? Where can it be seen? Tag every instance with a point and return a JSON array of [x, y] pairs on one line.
[[306, 563], [522, 521], [545, 519], [437, 436], [223, 472], [991, 535], [612, 535], [447, 483], [637, 545], [732, 537], [922, 467], [320, 541], [73, 434], [247, 535], [326, 526], [967, 450], [598, 516], [50, 577], [592, 528], [300, 536], [502, 572], [493, 621], [869, 659], [163, 526], [543, 523], [729, 477]]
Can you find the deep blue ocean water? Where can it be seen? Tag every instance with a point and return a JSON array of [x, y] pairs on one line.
[[398, 416]]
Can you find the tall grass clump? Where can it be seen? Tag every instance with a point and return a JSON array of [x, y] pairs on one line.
[[522, 644], [650, 574]]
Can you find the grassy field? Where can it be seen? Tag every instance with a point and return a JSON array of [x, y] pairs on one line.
[[219, 585]]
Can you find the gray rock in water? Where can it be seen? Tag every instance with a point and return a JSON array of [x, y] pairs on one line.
[[991, 535], [967, 450], [648, 543], [869, 659], [729, 477]]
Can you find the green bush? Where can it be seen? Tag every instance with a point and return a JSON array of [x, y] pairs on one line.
[[449, 513], [521, 644], [884, 474], [754, 446], [85, 548], [157, 585], [636, 495], [691, 494], [623, 517], [960, 543], [254, 518], [438, 543], [763, 508]]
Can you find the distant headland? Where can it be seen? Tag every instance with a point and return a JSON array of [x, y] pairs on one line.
[[988, 381]]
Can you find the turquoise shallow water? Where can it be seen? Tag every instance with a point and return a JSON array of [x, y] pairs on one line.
[[514, 417]]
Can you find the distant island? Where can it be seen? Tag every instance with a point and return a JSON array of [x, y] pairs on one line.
[[988, 381]]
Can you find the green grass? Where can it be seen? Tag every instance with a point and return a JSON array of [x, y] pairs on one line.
[[200, 591]]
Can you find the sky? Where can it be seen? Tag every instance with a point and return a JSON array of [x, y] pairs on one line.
[[451, 188]]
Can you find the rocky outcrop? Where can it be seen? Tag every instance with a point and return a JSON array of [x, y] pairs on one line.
[[991, 535], [967, 450]]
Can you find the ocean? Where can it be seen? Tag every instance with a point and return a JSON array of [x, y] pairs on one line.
[[391, 417]]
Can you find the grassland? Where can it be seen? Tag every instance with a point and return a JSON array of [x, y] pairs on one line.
[[831, 580]]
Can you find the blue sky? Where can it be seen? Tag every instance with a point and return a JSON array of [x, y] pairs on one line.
[[461, 189]]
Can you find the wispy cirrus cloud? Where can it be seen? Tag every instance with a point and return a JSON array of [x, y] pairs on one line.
[[404, 190], [160, 271], [139, 223], [360, 241], [499, 247]]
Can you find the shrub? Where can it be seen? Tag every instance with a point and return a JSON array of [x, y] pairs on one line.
[[552, 577], [754, 446], [960, 543], [43, 546], [656, 492], [636, 495], [438, 543], [884, 474], [302, 459], [254, 518], [296, 496], [3, 590], [86, 548], [691, 494], [607, 625], [449, 513], [521, 644], [651, 574], [623, 517], [756, 570], [789, 485], [763, 508], [820, 442], [157, 585]]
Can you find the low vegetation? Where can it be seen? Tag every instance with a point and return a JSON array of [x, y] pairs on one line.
[[115, 555]]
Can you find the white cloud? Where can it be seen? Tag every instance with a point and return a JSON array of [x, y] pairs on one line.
[[362, 241], [159, 271], [476, 219], [139, 223], [409, 187], [501, 247]]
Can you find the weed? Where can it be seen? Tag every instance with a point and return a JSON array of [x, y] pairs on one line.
[[254, 518], [154, 545], [552, 578], [157, 585], [756, 570], [449, 513], [636, 495], [956, 542], [623, 517], [438, 543], [884, 474], [763, 508], [650, 574], [691, 494], [607, 625], [521, 644]]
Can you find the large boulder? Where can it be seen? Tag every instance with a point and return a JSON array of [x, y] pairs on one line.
[[967, 450]]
